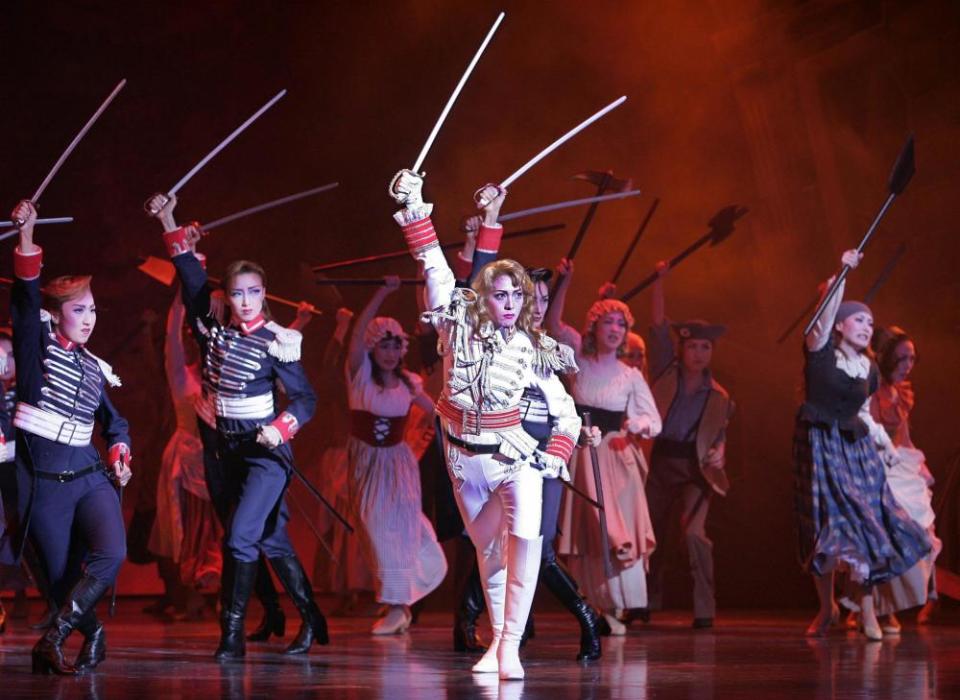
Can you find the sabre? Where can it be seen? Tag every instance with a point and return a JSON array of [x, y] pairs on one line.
[[456, 93], [267, 205], [553, 146], [573, 489], [313, 489], [223, 144], [4, 235], [636, 239], [113, 593], [444, 246], [567, 204], [721, 228], [604, 535], [73, 144], [369, 281], [313, 528], [900, 176]]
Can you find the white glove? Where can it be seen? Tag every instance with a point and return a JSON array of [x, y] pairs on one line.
[[269, 437], [590, 437], [406, 188], [3, 361], [548, 463]]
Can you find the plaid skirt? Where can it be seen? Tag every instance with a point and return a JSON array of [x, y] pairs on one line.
[[847, 516]]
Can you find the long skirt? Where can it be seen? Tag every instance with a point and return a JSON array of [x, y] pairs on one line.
[[348, 573], [186, 528], [399, 543], [847, 517], [623, 472]]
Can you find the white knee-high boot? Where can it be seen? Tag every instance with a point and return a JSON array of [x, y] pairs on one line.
[[523, 568], [493, 576]]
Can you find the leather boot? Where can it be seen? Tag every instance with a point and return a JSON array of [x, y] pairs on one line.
[[493, 578], [274, 621], [236, 596], [562, 585], [94, 649], [523, 568], [48, 652], [465, 638], [313, 626]]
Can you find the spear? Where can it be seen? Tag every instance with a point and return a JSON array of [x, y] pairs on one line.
[[900, 176], [445, 246], [721, 228]]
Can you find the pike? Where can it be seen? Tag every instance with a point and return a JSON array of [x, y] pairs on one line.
[[369, 281], [223, 144], [444, 246], [721, 228], [456, 94], [602, 515], [266, 206], [164, 272], [73, 144], [636, 239], [552, 147], [566, 205], [4, 235], [867, 298], [900, 176]]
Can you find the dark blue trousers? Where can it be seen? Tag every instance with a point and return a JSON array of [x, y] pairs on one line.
[[549, 514], [257, 479], [77, 525]]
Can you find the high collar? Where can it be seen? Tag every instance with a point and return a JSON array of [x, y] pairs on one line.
[[64, 342], [248, 328]]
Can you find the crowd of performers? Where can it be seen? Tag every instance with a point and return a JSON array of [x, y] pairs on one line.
[[555, 441]]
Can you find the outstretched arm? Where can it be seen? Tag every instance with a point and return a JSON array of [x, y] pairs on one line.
[[356, 350], [820, 333]]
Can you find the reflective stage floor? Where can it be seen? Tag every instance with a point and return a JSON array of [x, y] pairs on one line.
[[748, 655]]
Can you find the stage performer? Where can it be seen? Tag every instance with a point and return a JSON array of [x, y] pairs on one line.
[[847, 515], [242, 360], [399, 544], [491, 353], [67, 500], [621, 406]]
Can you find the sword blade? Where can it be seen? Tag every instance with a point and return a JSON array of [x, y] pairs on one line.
[[567, 204], [223, 144], [76, 139], [562, 140], [456, 93], [267, 205]]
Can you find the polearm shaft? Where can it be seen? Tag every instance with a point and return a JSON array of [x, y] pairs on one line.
[[367, 281], [602, 514], [73, 144], [444, 246], [900, 176], [636, 239], [456, 93], [674, 261], [223, 144], [565, 205], [267, 206]]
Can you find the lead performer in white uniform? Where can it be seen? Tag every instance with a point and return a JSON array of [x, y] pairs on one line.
[[491, 353]]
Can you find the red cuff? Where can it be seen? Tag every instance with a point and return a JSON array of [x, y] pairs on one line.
[[461, 267], [488, 238], [420, 234], [27, 267], [560, 446], [119, 452], [176, 241], [201, 258], [287, 424]]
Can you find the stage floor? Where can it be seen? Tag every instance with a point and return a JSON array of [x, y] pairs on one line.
[[748, 655]]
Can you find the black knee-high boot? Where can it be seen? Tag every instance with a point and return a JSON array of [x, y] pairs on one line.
[[562, 585], [94, 649], [274, 621], [471, 606], [238, 589], [313, 627], [48, 652]]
